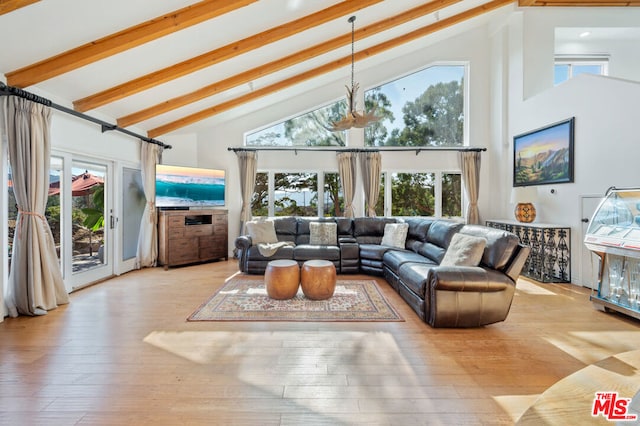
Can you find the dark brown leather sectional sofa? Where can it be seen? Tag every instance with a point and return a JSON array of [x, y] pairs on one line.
[[443, 296]]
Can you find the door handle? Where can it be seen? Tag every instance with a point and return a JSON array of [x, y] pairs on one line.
[[585, 220]]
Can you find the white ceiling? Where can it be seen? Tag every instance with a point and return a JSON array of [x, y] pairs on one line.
[[46, 28]]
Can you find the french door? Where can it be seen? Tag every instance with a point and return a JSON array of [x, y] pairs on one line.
[[87, 219]]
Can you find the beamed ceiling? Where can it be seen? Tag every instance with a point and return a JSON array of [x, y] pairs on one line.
[[177, 65]]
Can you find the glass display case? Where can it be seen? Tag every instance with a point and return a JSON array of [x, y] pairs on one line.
[[614, 236]]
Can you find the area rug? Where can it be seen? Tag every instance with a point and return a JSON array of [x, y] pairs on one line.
[[245, 299]]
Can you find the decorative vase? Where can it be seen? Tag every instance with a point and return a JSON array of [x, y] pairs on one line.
[[525, 212]]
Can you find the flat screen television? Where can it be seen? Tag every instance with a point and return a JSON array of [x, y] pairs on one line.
[[180, 187]]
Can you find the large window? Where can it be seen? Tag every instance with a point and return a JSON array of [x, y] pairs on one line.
[[435, 194], [309, 129], [569, 67], [425, 108]]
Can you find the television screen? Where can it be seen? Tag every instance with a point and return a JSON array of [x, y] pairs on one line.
[[183, 187]]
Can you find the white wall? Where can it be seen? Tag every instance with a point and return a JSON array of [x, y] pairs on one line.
[[472, 47], [607, 144]]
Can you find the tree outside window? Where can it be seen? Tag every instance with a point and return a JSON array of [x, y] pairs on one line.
[[422, 109], [296, 194], [413, 194]]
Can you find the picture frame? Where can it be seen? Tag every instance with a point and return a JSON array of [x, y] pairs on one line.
[[544, 156]]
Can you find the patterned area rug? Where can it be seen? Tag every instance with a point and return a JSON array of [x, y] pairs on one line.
[[245, 299]]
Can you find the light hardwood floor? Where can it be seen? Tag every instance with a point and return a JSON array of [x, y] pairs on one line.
[[122, 352]]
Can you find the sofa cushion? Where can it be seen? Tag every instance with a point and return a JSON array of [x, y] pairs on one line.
[[372, 251], [323, 233], [286, 228], [441, 231], [369, 230], [253, 254], [262, 231], [392, 259], [415, 275], [464, 250], [395, 235], [345, 226], [431, 251], [309, 251], [500, 247], [417, 233]]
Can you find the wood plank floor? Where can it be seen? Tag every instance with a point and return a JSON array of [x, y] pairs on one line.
[[122, 353]]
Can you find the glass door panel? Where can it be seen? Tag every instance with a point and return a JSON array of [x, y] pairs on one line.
[[133, 203], [88, 213]]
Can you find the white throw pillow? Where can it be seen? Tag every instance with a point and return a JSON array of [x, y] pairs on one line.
[[395, 235], [464, 250], [323, 233], [263, 231]]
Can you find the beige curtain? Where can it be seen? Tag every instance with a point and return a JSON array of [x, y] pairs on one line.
[[470, 166], [248, 165], [371, 166], [35, 280], [147, 254], [347, 170]]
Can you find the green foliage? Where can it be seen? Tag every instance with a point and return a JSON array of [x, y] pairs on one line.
[[376, 133], [412, 194], [303, 183], [311, 129], [451, 195], [333, 188], [94, 219], [435, 118]]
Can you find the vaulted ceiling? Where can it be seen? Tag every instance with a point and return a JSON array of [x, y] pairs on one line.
[[176, 65]]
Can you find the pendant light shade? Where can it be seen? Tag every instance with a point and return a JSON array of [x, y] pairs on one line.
[[353, 117]]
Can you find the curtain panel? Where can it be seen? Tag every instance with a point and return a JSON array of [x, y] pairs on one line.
[[35, 280], [470, 167], [248, 165], [347, 170], [147, 252], [371, 169]]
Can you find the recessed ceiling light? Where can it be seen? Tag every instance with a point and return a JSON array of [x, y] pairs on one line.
[[584, 34]]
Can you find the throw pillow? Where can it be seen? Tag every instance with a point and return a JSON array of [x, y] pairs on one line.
[[464, 250], [323, 233], [395, 235], [262, 231]]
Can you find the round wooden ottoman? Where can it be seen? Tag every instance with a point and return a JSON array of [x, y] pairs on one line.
[[282, 278], [318, 279]]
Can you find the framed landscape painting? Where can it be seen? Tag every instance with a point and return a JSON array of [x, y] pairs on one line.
[[544, 156]]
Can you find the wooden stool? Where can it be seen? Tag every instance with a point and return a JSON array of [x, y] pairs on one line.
[[282, 278], [318, 279]]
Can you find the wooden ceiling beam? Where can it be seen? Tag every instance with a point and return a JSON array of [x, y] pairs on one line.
[[7, 6], [331, 66], [282, 63], [122, 40], [221, 54]]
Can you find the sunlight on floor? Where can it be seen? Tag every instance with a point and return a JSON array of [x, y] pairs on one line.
[[515, 405], [531, 288], [593, 346]]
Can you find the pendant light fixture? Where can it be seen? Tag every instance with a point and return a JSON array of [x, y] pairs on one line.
[[353, 118]]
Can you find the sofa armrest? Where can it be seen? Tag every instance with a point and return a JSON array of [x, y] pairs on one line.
[[468, 279], [243, 242]]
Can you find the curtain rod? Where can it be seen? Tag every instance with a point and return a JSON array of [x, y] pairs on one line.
[[342, 149], [10, 90]]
